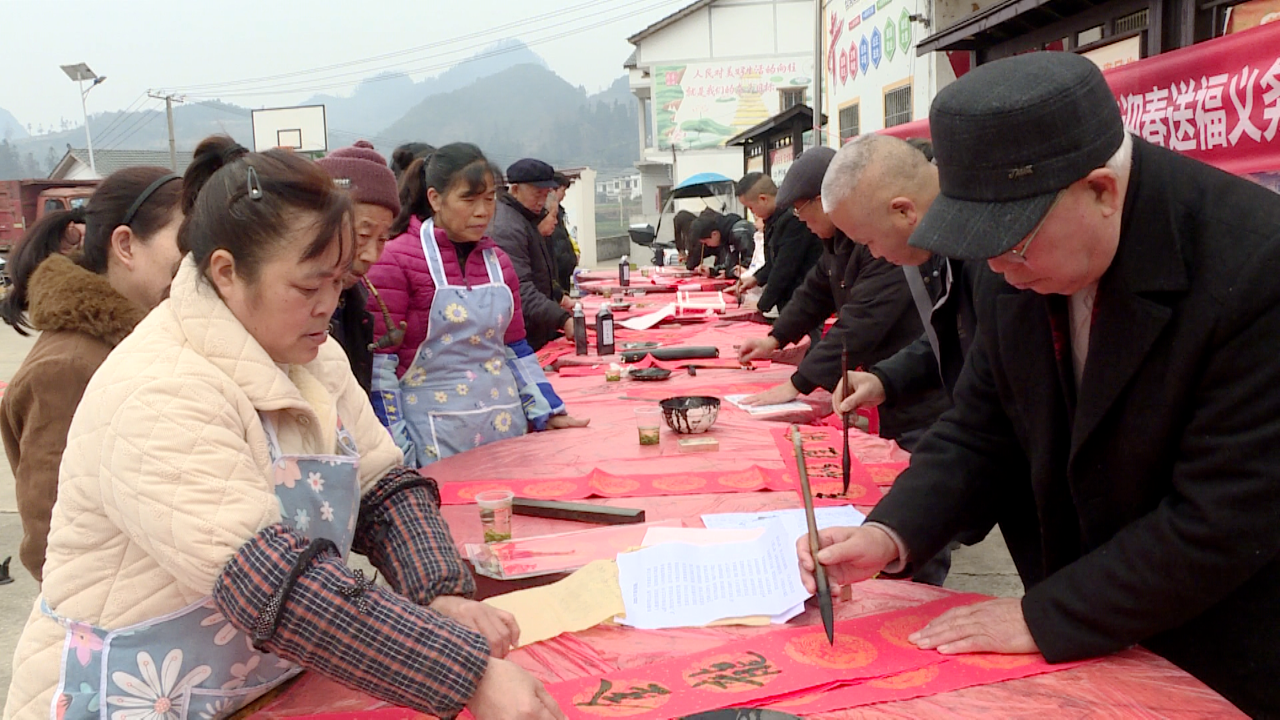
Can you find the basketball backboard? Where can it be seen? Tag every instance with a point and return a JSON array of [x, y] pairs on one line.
[[301, 129]]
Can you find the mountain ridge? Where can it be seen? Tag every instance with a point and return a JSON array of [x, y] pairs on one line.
[[504, 99]]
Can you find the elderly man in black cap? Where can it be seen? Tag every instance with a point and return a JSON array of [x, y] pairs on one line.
[[515, 229], [875, 316], [1120, 409]]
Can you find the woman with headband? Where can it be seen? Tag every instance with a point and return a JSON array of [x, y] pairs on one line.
[[83, 306], [222, 465]]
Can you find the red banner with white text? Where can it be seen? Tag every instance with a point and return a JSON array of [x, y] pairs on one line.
[[1217, 101]]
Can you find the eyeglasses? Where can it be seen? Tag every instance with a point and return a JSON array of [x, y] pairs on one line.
[[1020, 255], [801, 205]]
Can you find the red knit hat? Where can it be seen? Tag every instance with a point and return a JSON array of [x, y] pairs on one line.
[[364, 173]]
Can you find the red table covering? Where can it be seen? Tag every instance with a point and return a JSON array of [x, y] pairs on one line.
[[1135, 683]]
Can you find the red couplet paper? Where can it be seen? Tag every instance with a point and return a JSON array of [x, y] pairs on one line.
[[598, 483], [886, 472], [823, 454], [796, 667], [956, 673]]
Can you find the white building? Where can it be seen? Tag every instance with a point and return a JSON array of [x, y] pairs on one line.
[[611, 187], [706, 73]]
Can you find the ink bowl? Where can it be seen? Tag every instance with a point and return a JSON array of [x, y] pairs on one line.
[[690, 414]]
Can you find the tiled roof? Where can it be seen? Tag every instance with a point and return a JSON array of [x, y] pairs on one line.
[[669, 20], [109, 161]]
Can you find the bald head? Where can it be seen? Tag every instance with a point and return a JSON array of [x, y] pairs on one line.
[[876, 190], [876, 161]]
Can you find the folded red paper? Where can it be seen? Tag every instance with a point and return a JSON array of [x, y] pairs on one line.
[[796, 668]]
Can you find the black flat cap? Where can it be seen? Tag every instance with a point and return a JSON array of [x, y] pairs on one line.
[[532, 172], [1007, 137], [803, 180]]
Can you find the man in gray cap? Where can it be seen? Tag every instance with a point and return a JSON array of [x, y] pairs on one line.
[[1120, 410], [875, 316]]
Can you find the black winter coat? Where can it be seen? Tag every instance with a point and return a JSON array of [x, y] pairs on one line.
[[565, 258], [875, 317], [1143, 508], [737, 244], [790, 252], [914, 368], [515, 230], [352, 326]]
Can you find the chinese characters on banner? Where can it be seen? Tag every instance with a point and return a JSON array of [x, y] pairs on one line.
[[701, 105], [1217, 101], [871, 661], [1228, 111]]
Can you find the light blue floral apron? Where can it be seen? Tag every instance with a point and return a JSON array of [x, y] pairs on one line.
[[458, 393], [193, 663]]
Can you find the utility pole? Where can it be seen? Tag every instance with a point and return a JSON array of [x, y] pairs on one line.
[[819, 67], [169, 100]]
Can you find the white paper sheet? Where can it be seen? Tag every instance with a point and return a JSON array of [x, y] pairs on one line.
[[644, 322], [705, 536], [787, 407], [698, 536], [681, 585], [792, 520]]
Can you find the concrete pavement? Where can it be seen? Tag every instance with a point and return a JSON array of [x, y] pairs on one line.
[[15, 599], [983, 568]]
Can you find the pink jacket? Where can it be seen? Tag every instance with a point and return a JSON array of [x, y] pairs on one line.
[[404, 283]]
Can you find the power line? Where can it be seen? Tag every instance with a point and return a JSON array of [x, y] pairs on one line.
[[385, 56], [151, 117], [139, 116], [122, 116], [326, 83]]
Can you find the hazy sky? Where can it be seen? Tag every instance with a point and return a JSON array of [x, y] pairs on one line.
[[201, 47]]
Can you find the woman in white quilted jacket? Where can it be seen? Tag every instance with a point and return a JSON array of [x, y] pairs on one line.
[[222, 463]]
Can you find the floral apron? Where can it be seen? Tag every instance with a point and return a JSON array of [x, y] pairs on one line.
[[458, 393], [193, 663]]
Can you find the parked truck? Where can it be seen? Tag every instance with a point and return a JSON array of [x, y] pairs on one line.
[[22, 202]]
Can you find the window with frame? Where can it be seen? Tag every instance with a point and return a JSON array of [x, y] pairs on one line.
[[897, 106], [791, 97], [850, 121], [664, 192]]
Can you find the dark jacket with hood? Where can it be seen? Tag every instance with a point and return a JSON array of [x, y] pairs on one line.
[[80, 318], [875, 318], [737, 244], [352, 326], [914, 369], [790, 252], [566, 257], [515, 230]]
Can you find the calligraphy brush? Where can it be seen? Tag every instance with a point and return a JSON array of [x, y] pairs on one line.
[[844, 374], [819, 572]]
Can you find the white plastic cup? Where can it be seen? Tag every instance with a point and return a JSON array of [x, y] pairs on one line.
[[495, 514]]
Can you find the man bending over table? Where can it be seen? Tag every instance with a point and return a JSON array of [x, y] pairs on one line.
[[875, 315], [1119, 411]]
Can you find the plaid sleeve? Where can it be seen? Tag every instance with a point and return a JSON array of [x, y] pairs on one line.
[[402, 533], [537, 397], [308, 607]]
